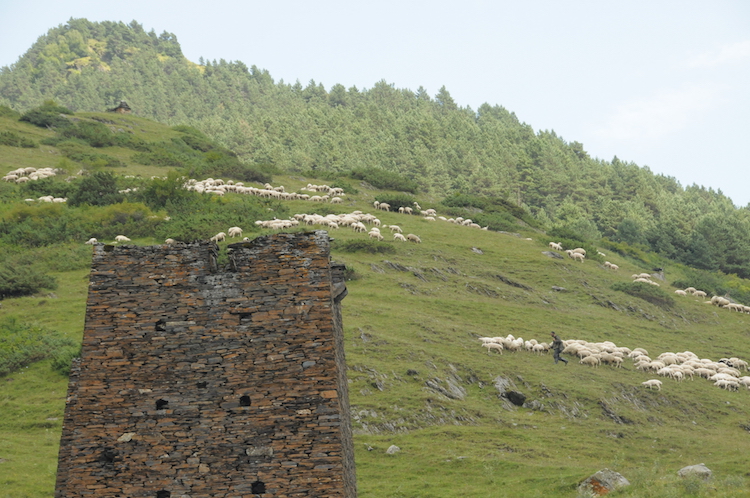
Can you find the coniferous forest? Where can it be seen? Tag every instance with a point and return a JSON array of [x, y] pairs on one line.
[[443, 147]]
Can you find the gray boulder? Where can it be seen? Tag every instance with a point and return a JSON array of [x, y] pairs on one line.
[[699, 470], [602, 483]]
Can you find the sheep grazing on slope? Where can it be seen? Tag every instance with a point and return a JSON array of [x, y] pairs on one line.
[[493, 345], [652, 383], [590, 360], [555, 246], [121, 238], [235, 232], [219, 237], [413, 238], [91, 241], [576, 255]]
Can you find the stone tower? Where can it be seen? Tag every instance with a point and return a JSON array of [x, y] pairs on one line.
[[201, 379]]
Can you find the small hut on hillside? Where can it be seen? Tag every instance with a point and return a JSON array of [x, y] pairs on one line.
[[123, 108]]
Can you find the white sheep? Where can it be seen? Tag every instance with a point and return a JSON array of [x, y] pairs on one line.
[[493, 345], [727, 384], [235, 232], [91, 241], [680, 292], [541, 348], [121, 238], [413, 238], [652, 383], [398, 236], [578, 256], [738, 364], [720, 301], [590, 360], [170, 241], [556, 246], [219, 237]]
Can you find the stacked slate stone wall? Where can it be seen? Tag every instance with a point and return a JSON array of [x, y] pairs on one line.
[[201, 379]]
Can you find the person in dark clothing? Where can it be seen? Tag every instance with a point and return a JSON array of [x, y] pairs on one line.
[[557, 348]]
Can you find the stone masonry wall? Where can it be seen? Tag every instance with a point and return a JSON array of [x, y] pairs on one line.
[[197, 381]]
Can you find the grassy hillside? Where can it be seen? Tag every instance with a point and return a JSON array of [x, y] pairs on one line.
[[419, 378]]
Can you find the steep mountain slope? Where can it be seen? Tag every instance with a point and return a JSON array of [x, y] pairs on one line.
[[419, 377]]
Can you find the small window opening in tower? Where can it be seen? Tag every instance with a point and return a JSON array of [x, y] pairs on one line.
[[108, 455], [258, 487], [201, 385], [161, 404], [245, 400], [163, 494]]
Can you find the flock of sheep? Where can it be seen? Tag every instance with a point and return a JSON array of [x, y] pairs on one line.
[[579, 254], [221, 187], [357, 220], [719, 301], [725, 373], [644, 278], [23, 175]]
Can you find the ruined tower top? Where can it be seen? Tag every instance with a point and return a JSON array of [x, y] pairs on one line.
[[201, 380]]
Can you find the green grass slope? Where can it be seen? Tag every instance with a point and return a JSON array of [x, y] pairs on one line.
[[419, 378], [409, 330]]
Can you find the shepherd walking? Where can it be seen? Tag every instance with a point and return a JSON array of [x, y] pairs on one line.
[[557, 347]]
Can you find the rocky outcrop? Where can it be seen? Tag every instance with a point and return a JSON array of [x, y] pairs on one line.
[[602, 483], [699, 470]]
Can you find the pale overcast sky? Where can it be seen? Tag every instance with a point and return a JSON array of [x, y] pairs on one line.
[[664, 84]]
